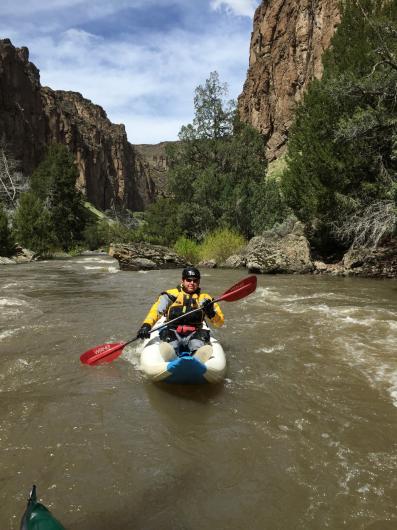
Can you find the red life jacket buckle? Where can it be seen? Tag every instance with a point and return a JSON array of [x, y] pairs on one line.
[[186, 329]]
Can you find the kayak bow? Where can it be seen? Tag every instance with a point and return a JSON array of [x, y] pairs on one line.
[[37, 516]]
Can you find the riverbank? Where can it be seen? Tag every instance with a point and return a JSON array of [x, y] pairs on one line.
[[271, 253], [289, 254]]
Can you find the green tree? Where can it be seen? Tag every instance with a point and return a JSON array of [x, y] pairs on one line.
[[216, 167], [33, 225], [161, 226], [6, 240], [341, 152], [54, 182]]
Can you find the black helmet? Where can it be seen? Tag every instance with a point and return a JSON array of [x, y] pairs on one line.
[[190, 272]]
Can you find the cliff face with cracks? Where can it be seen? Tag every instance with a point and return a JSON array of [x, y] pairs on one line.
[[287, 43], [111, 171]]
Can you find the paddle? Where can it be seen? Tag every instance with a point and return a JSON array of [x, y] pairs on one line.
[[106, 353]]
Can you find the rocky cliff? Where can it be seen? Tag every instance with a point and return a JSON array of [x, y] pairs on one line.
[[156, 164], [111, 171], [287, 43]]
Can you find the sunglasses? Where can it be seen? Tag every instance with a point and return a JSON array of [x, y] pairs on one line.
[[194, 280]]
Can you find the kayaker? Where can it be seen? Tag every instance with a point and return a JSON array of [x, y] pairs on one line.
[[186, 334]]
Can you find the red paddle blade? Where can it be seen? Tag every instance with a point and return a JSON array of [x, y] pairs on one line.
[[105, 353], [239, 290]]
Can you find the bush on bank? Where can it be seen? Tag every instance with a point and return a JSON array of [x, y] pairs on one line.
[[221, 244], [188, 249]]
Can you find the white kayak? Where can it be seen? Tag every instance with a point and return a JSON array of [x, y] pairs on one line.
[[158, 364]]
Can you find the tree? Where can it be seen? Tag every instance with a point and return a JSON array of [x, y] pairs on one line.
[[12, 181], [54, 182], [6, 241], [216, 167], [33, 225], [342, 148]]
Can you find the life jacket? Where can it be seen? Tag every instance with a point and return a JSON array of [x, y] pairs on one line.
[[183, 303]]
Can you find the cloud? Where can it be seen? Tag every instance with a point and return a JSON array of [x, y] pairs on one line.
[[244, 8], [138, 65]]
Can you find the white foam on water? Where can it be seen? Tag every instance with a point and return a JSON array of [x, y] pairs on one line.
[[364, 335], [132, 354], [11, 285], [374, 359], [393, 386], [278, 347], [8, 333], [12, 302], [94, 260], [112, 269]]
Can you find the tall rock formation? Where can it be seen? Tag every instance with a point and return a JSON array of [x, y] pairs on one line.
[[287, 43], [22, 123], [111, 171]]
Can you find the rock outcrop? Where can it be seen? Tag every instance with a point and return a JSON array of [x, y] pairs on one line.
[[154, 159], [275, 252], [141, 256], [287, 43], [111, 172], [22, 120], [372, 263]]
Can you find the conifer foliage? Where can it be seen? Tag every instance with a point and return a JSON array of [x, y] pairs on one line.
[[342, 154], [52, 213], [215, 169]]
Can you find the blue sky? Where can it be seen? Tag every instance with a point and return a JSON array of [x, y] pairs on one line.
[[139, 59]]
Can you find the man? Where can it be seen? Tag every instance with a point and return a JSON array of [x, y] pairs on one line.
[[187, 334]]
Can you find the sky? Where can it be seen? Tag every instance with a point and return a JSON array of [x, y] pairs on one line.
[[140, 60]]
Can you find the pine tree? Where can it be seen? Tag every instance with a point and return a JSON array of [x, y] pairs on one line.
[[216, 167], [341, 152], [33, 225], [54, 182]]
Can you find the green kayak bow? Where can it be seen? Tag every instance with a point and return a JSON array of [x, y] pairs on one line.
[[38, 517]]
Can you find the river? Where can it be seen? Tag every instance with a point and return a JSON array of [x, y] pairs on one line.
[[301, 435]]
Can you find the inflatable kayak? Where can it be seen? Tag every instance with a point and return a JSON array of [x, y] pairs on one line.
[[159, 365], [38, 517]]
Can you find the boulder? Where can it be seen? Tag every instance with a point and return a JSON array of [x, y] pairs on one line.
[[369, 262], [236, 261], [142, 256], [208, 264], [24, 255], [275, 253]]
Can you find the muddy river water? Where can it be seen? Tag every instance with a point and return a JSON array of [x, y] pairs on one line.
[[301, 435]]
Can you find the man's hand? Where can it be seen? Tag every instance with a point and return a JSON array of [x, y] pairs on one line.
[[143, 332], [208, 308]]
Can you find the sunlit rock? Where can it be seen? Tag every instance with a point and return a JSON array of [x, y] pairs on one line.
[[142, 256]]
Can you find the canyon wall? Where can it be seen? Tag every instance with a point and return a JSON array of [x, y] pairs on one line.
[[287, 43], [111, 171]]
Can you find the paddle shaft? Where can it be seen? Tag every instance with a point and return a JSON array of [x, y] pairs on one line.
[[166, 324], [108, 352]]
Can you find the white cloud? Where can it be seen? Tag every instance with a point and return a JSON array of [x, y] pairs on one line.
[[151, 77], [244, 8]]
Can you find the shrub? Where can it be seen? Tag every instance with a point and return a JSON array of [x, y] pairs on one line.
[[221, 244], [188, 249], [32, 225]]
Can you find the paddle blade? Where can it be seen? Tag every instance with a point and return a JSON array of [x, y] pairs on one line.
[[105, 353], [239, 290]]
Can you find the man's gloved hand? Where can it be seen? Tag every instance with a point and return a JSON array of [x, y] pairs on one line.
[[208, 308], [143, 332]]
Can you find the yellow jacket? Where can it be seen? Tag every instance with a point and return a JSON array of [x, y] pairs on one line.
[[176, 301]]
